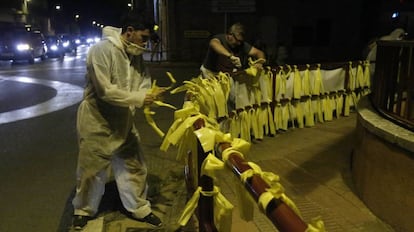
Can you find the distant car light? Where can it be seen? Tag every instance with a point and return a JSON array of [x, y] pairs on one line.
[[66, 44], [97, 39], [53, 47], [77, 41], [23, 47]]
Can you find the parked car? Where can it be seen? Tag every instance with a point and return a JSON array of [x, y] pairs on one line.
[[55, 48], [21, 44]]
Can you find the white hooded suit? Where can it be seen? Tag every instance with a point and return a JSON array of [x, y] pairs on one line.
[[116, 84]]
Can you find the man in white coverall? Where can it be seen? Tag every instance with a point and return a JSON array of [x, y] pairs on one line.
[[117, 83]]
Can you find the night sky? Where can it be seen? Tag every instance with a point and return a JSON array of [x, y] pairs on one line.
[[106, 12]]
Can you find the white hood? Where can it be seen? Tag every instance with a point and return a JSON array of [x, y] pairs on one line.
[[394, 35], [113, 34]]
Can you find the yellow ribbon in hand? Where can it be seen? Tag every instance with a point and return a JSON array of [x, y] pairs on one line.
[[147, 111]]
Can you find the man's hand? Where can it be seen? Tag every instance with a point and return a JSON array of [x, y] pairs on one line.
[[258, 65], [235, 61], [154, 95]]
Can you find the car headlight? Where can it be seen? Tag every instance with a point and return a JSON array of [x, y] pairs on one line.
[[66, 44], [23, 47], [53, 47]]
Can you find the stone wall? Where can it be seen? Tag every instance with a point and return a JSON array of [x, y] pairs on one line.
[[383, 167]]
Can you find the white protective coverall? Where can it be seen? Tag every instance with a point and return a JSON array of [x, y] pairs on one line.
[[116, 84]]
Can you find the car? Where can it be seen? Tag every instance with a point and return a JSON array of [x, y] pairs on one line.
[[55, 48], [69, 43], [22, 44]]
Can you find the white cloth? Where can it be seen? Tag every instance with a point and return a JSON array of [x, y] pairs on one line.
[[116, 84]]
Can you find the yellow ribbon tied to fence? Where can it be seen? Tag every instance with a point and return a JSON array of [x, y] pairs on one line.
[[276, 190], [316, 225], [222, 209], [297, 83]]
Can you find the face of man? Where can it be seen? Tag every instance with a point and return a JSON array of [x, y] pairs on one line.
[[234, 40], [138, 37]]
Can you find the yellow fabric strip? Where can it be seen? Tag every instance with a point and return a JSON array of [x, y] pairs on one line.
[[285, 116], [206, 136], [189, 208], [306, 83], [210, 165], [297, 83], [299, 114], [316, 225], [367, 74], [278, 116], [245, 125], [222, 209], [272, 127], [309, 115]]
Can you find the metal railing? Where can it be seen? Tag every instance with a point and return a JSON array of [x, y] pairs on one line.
[[279, 213], [393, 82]]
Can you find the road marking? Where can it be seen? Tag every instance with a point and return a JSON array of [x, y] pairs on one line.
[[67, 95]]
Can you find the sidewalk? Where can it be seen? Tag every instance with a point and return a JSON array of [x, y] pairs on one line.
[[313, 165]]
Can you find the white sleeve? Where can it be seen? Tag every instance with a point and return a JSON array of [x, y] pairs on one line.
[[101, 70]]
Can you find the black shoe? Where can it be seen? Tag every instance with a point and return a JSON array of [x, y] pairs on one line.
[[151, 219], [80, 221]]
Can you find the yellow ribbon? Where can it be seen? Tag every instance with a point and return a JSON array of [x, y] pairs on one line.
[[339, 104], [272, 126], [309, 115], [276, 190], [360, 76], [235, 125], [318, 87], [367, 74], [306, 81], [316, 225], [148, 113], [222, 209], [278, 116], [206, 136], [300, 115], [230, 151], [285, 116], [352, 81], [245, 121], [297, 83], [210, 165]]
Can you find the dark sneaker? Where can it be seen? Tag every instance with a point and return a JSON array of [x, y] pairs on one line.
[[80, 221], [151, 219]]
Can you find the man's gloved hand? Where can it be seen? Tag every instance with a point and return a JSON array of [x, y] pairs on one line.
[[258, 66], [235, 61], [154, 95]]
